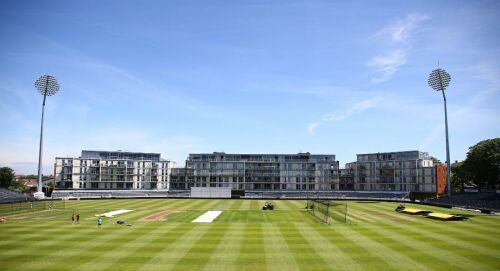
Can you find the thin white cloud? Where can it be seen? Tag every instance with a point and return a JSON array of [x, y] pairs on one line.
[[387, 65], [356, 108], [100, 67], [402, 29], [367, 104], [335, 117], [311, 128], [487, 73], [398, 34], [432, 136]]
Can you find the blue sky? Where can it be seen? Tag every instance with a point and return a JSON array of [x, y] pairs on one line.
[[179, 77]]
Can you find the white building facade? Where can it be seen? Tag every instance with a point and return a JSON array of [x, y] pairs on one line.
[[394, 171], [302, 171], [112, 170]]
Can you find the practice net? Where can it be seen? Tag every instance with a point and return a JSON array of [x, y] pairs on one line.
[[327, 210]]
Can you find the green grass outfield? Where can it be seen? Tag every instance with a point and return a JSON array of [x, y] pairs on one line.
[[244, 237]]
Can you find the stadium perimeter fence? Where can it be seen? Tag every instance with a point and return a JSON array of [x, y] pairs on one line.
[[30, 206], [327, 210]]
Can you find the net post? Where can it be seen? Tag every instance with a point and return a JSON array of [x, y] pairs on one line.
[[345, 214], [327, 211]]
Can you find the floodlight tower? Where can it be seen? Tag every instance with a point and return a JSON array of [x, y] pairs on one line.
[[47, 85], [439, 80]]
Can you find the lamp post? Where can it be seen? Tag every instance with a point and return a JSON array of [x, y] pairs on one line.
[[47, 85], [439, 80]]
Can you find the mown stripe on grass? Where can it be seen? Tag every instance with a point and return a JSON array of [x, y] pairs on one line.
[[163, 206], [27, 233], [393, 257], [365, 258], [189, 204], [299, 206], [62, 252], [44, 241], [207, 205], [140, 211], [167, 258], [37, 237], [477, 217], [199, 254], [421, 249], [192, 208], [295, 211], [288, 205], [139, 208], [439, 238], [159, 206], [127, 246], [296, 204], [425, 255], [445, 234], [453, 227], [278, 254], [186, 217], [245, 205], [148, 248], [44, 235], [225, 255], [254, 205], [304, 253], [237, 204], [339, 216], [332, 254], [92, 205], [251, 255], [473, 225]]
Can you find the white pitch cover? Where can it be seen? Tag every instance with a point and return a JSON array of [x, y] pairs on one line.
[[117, 212], [207, 217]]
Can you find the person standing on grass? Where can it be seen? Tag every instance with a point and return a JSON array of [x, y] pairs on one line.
[[99, 222], [73, 218], [77, 218]]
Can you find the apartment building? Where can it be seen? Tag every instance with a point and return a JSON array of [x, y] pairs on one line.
[[411, 171], [112, 170], [302, 171], [346, 177]]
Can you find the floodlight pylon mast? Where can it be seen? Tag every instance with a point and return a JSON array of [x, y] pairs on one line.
[[439, 79], [48, 86], [40, 150], [448, 162]]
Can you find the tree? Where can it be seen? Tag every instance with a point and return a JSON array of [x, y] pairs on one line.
[[460, 176], [29, 177], [18, 186], [435, 161], [483, 163], [6, 176]]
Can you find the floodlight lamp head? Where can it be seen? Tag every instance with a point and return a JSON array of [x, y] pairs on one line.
[[47, 85], [439, 79]]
